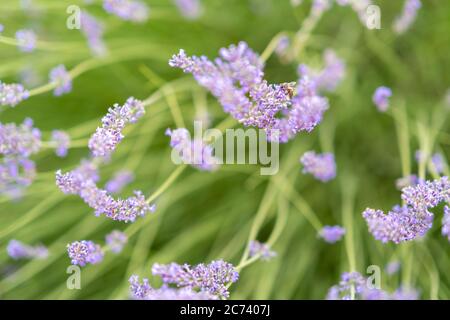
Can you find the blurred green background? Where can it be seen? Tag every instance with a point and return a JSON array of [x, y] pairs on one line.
[[205, 216]]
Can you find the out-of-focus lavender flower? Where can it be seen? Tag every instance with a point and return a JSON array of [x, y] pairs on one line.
[[93, 31], [193, 152], [84, 252], [402, 223], [392, 267], [18, 250], [143, 291], [320, 6], [282, 46], [16, 173], [332, 234], [212, 278], [190, 9], [12, 94], [62, 142], [407, 17], [22, 140], [446, 223], [354, 282], [62, 78], [405, 294], [262, 249], [130, 10], [438, 162], [381, 98], [411, 180], [116, 240], [119, 181], [1, 28], [105, 139], [321, 166], [26, 40]]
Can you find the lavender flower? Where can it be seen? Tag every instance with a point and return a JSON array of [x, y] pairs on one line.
[[407, 17], [116, 240], [105, 139], [262, 249], [321, 166], [84, 252], [193, 152], [332, 234], [62, 141], [212, 278], [411, 180], [381, 98], [119, 181], [427, 195], [143, 291], [18, 250], [26, 40], [446, 223], [405, 294], [93, 31], [22, 140], [438, 162], [130, 10], [356, 283], [12, 94], [236, 80], [282, 46], [62, 78], [16, 173], [1, 28], [190, 9], [392, 267]]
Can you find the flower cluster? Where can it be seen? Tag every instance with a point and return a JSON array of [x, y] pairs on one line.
[[261, 249], [438, 163], [17, 144], [407, 17], [194, 152], [105, 139], [62, 142], [212, 278], [84, 252], [332, 234], [190, 9], [26, 40], [413, 220], [236, 80], [116, 240], [119, 181], [62, 78], [381, 98], [93, 31], [12, 94], [321, 166], [18, 250], [130, 10], [143, 291], [446, 223]]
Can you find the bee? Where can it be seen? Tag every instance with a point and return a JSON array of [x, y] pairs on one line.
[[289, 88]]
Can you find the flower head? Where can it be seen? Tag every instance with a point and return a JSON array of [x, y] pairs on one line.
[[353, 286], [332, 234], [130, 10], [62, 78], [381, 98], [119, 181], [321, 166], [84, 252], [12, 94], [26, 40], [407, 17], [262, 249], [18, 250], [190, 9], [446, 223], [22, 140], [392, 267], [62, 141], [116, 240], [93, 31]]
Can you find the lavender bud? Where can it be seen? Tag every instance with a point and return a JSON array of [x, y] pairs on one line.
[[62, 78], [18, 250], [321, 166], [190, 9], [84, 252], [332, 234], [116, 240], [119, 181], [262, 249], [12, 94], [130, 10], [62, 141], [26, 40], [381, 98], [407, 17]]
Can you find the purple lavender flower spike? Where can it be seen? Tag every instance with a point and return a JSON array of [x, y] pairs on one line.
[[26, 40], [438, 162], [143, 291], [381, 98], [12, 94], [332, 234], [119, 181], [282, 46], [407, 17], [190, 9], [129, 10], [16, 173], [116, 240], [22, 140], [262, 249], [427, 195], [18, 250], [356, 283], [321, 166], [93, 31], [392, 267], [62, 142], [84, 252], [446, 223], [60, 76], [212, 278]]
